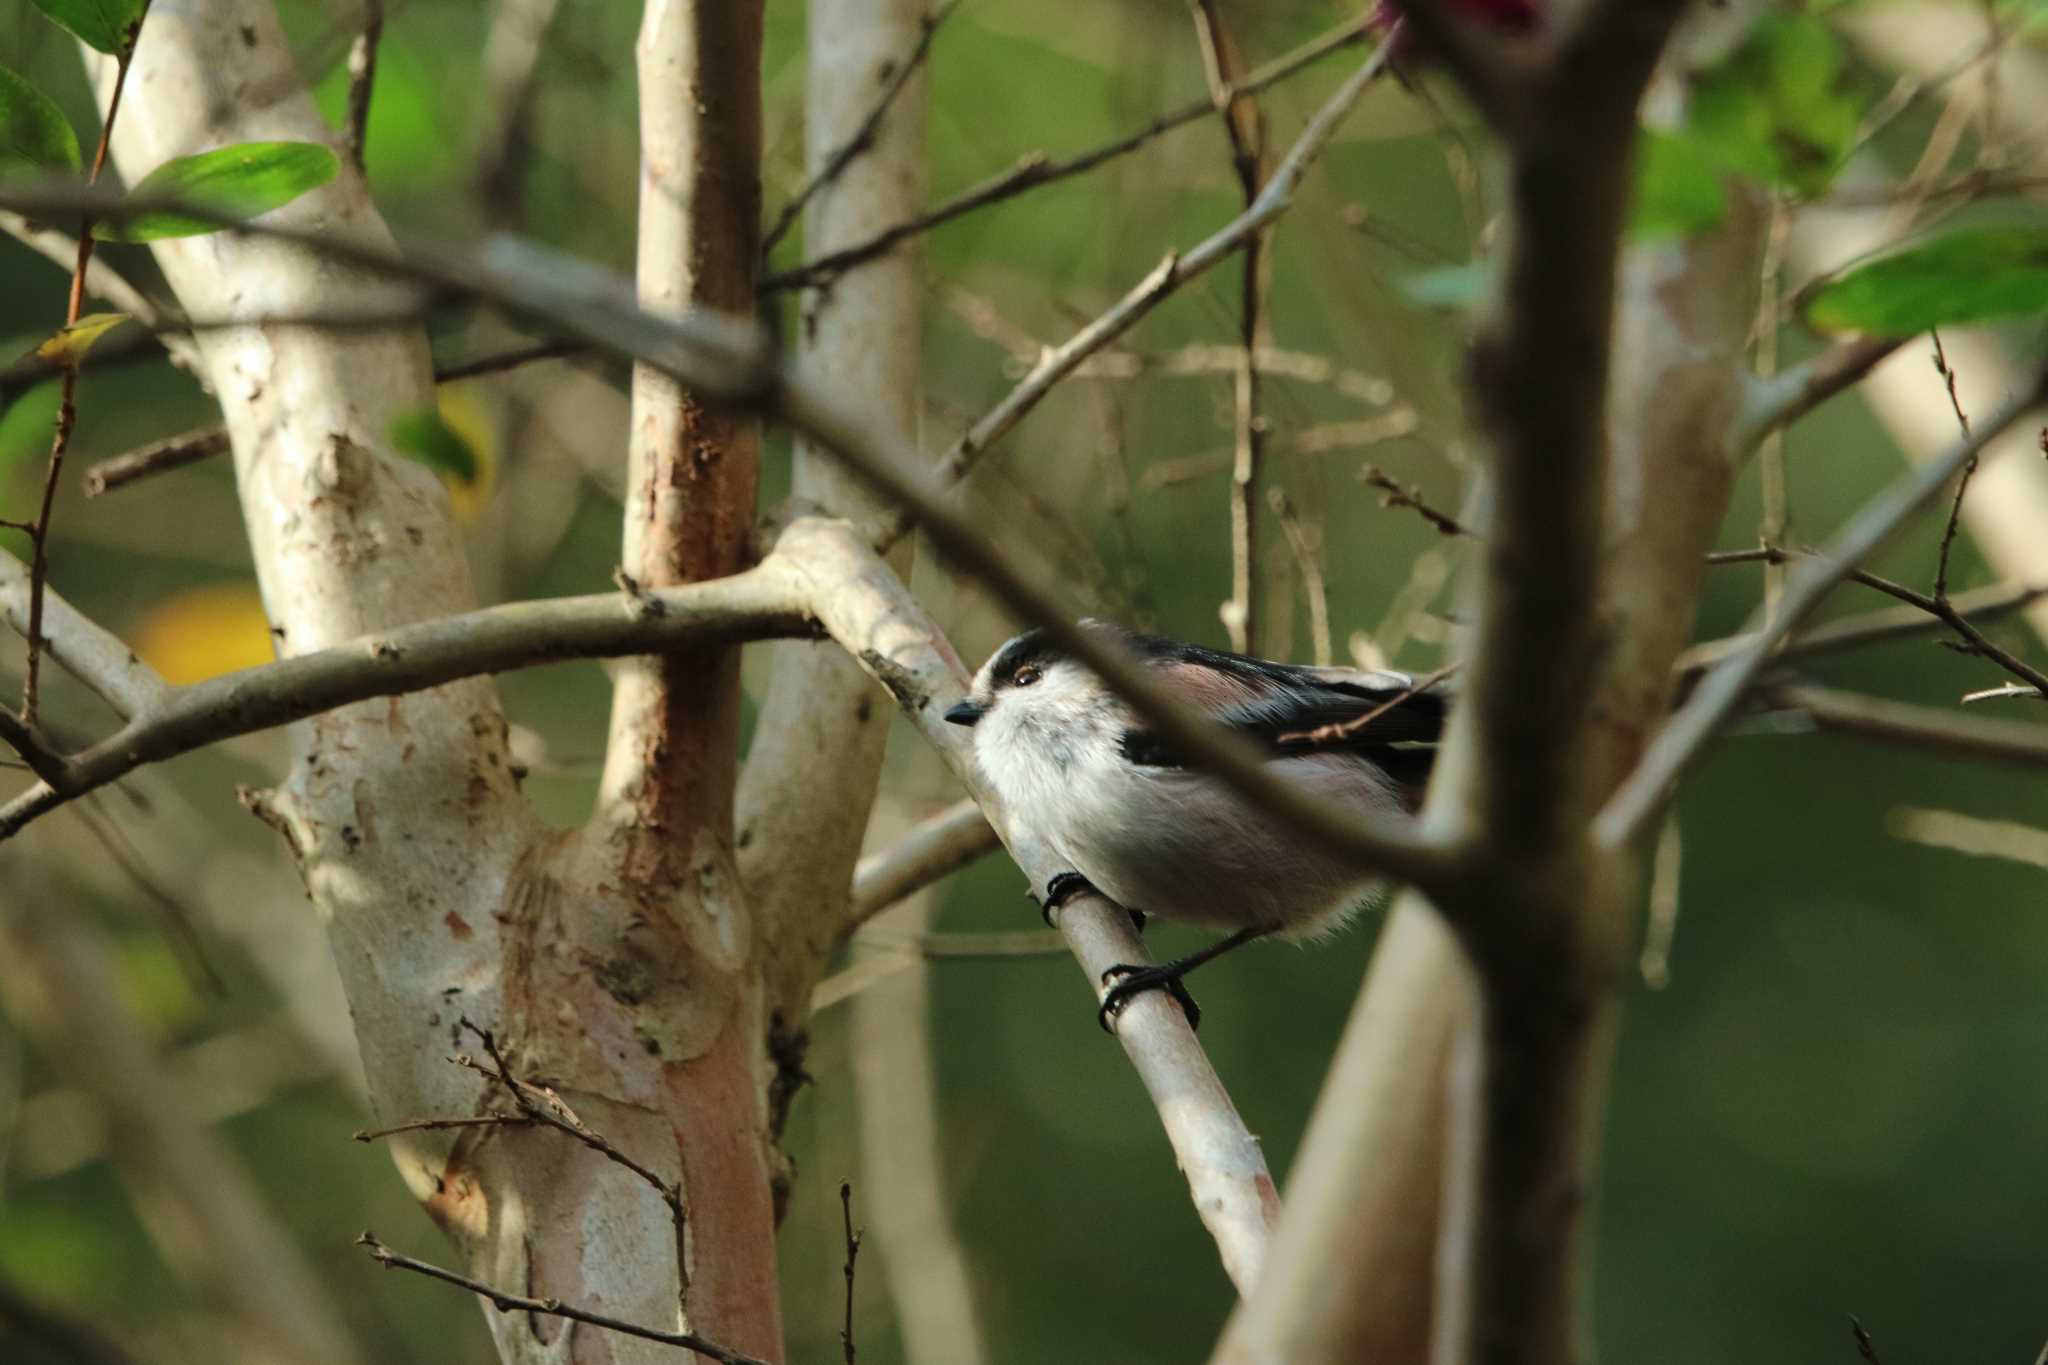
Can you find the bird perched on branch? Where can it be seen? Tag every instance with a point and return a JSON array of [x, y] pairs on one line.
[[1135, 820]]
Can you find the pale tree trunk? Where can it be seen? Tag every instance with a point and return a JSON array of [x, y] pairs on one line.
[[612, 963], [811, 773]]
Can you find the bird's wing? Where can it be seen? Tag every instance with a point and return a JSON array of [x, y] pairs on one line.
[[1297, 711]]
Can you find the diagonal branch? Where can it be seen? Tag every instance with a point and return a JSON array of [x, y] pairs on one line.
[[1686, 733], [1170, 274], [1035, 170], [867, 609]]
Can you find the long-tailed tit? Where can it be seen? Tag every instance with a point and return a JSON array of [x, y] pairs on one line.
[[1078, 770]]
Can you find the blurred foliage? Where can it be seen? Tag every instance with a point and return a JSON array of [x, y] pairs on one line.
[[1828, 1111]]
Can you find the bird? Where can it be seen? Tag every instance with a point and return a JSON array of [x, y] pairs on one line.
[[1076, 767]]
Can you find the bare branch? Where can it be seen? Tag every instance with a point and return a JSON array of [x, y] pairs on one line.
[[362, 79], [763, 602], [506, 1302], [727, 360], [864, 136], [91, 654], [1035, 170], [175, 452], [933, 848], [1395, 495], [1875, 627], [1682, 737], [1926, 727], [1245, 125], [1790, 394], [852, 1254], [1177, 269], [1308, 561], [864, 607]]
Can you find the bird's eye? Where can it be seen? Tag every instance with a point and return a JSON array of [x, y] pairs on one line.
[[1027, 675]]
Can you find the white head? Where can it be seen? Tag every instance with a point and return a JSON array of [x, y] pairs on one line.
[[1034, 706]]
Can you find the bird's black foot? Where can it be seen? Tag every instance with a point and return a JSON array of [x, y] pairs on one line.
[[1061, 889], [1125, 981]]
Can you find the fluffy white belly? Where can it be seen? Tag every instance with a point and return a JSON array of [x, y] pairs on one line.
[[1182, 846]]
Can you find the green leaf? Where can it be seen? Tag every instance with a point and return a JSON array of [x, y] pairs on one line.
[[1971, 275], [426, 436], [1450, 286], [108, 25], [34, 134], [1774, 109], [69, 346], [1678, 190], [238, 181]]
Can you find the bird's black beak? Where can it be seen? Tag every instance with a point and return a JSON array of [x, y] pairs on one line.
[[965, 712]]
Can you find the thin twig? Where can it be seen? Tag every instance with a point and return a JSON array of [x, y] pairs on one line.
[[852, 1254], [1874, 627], [1336, 730], [1797, 390], [1177, 269], [1395, 495], [1930, 727], [67, 405], [864, 136], [362, 80], [1686, 733], [1865, 1347], [730, 361], [541, 1104], [175, 452], [933, 848], [1036, 170], [1955, 511], [507, 1302], [442, 1126], [1308, 559], [1245, 126]]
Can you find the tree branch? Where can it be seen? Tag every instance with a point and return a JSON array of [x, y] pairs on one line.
[[863, 606], [726, 360], [1926, 727], [1714, 700], [1035, 170], [934, 848], [1787, 396], [519, 1303], [94, 656], [1170, 274], [764, 602]]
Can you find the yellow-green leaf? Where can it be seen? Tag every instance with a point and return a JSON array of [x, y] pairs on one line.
[[424, 434], [68, 346], [35, 137], [238, 181], [1971, 275], [108, 25]]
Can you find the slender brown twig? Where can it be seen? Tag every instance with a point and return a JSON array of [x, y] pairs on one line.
[[175, 452], [1395, 495], [1244, 124], [67, 403], [1036, 170], [1955, 510], [506, 1302], [362, 80], [1339, 729], [852, 1254], [1310, 562], [863, 136]]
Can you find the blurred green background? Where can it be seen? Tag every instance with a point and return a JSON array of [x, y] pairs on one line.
[[1833, 1107]]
